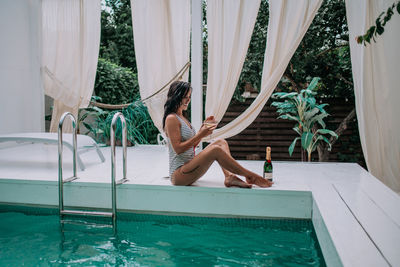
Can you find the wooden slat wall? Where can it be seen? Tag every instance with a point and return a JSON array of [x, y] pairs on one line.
[[267, 130]]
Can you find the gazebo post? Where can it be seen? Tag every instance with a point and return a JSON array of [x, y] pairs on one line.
[[197, 65]]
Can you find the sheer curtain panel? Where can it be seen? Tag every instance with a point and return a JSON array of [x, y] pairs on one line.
[[161, 31], [70, 48], [230, 24], [376, 87]]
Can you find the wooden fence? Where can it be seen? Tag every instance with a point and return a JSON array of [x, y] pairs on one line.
[[267, 130]]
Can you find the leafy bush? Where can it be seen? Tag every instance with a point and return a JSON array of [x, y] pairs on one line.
[[141, 128], [115, 84]]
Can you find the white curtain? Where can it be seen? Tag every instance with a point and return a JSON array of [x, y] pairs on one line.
[[161, 30], [70, 48], [288, 22], [230, 24], [376, 87]]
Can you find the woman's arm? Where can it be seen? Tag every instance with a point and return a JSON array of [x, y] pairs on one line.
[[173, 130]]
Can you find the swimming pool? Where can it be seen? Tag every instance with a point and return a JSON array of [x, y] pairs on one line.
[[32, 237], [331, 195]]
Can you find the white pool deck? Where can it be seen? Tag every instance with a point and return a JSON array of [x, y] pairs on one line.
[[356, 217]]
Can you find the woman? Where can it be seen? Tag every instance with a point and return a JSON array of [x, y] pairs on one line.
[[184, 166]]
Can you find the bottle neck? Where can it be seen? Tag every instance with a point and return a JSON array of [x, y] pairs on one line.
[[268, 155]]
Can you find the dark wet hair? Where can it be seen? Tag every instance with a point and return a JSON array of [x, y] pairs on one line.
[[177, 91]]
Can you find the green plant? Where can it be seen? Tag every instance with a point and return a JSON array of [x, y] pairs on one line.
[[140, 128], [303, 108]]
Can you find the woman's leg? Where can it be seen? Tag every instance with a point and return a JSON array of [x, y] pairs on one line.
[[224, 145], [198, 166], [230, 178]]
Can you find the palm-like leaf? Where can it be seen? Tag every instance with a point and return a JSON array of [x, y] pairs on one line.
[[297, 130], [311, 102], [315, 143], [321, 107], [313, 83], [306, 139], [289, 117], [326, 131], [308, 115], [326, 140], [319, 118], [291, 147], [282, 95]]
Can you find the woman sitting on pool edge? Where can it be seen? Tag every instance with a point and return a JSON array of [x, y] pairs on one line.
[[184, 166]]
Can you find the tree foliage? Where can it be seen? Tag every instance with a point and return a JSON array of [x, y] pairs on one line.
[[116, 43], [324, 52], [115, 84]]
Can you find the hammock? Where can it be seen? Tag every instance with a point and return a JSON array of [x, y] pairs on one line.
[[178, 76]]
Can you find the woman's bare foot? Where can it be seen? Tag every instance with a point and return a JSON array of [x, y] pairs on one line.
[[258, 180], [233, 180]]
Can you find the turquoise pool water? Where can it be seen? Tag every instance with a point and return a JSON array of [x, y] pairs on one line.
[[155, 240]]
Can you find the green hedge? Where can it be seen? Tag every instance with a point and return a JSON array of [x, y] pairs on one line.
[[118, 85], [115, 84]]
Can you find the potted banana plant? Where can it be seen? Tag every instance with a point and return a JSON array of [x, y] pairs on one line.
[[309, 117]]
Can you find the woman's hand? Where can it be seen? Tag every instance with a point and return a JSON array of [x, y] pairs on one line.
[[210, 122], [208, 126], [206, 130]]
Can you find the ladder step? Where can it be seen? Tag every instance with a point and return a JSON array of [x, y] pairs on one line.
[[87, 213], [70, 179], [84, 223], [123, 180]]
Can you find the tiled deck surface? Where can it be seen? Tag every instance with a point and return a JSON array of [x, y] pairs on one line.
[[358, 214]]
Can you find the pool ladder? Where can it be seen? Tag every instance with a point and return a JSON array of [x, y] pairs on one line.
[[113, 213]]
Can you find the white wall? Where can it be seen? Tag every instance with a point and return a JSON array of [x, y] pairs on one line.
[[21, 91]]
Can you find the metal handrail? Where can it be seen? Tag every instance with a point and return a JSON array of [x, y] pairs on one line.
[[114, 183], [60, 151], [117, 116]]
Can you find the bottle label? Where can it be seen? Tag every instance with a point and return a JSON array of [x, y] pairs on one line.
[[268, 175]]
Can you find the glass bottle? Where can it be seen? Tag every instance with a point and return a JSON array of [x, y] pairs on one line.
[[268, 165]]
